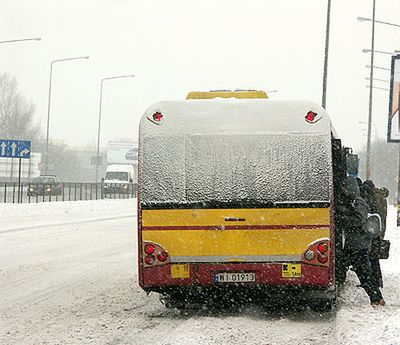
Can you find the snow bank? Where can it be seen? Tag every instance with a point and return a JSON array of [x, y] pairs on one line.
[[17, 215]]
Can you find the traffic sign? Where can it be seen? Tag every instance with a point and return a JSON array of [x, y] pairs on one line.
[[15, 148]]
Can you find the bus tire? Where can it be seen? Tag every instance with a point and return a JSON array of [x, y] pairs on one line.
[[323, 305], [172, 301]]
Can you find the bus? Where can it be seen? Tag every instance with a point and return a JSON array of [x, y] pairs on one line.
[[238, 194]]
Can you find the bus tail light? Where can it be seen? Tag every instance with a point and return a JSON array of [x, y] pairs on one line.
[[149, 249], [317, 253], [322, 247], [322, 258], [149, 260], [163, 256], [154, 255]]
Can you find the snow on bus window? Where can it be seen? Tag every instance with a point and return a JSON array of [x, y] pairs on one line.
[[235, 168]]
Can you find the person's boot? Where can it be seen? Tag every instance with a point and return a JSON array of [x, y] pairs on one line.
[[378, 303]]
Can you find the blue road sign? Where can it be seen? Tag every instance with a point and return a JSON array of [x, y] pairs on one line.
[[15, 148]]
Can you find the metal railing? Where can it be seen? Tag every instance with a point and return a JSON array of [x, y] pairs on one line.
[[11, 192]]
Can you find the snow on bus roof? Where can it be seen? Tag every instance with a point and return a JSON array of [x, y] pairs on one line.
[[235, 116]]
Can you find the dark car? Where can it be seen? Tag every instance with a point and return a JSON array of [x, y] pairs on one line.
[[45, 185]]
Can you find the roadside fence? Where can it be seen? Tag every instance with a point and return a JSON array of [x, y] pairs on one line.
[[12, 192]]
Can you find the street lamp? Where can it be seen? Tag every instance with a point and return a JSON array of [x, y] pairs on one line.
[[378, 51], [386, 81], [325, 77], [98, 130], [377, 67], [378, 88], [362, 19], [49, 103], [22, 39]]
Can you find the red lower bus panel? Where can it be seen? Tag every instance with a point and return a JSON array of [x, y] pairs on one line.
[[266, 274]]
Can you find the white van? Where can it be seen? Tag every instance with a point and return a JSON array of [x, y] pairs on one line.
[[118, 179]]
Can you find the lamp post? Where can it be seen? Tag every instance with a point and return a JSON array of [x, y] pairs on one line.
[[378, 51], [371, 76], [99, 126], [325, 77], [22, 40], [49, 104]]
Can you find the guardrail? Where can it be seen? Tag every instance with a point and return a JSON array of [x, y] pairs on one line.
[[11, 192]]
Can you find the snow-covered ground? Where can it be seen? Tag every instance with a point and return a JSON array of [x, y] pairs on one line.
[[68, 276]]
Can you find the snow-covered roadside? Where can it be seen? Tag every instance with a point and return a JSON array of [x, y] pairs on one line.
[[16, 216]]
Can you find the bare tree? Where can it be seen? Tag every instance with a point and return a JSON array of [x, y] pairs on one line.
[[16, 113]]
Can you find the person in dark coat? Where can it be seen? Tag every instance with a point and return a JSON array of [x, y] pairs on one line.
[[368, 193], [379, 198], [354, 213]]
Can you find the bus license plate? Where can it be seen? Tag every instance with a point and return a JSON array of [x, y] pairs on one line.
[[235, 277]]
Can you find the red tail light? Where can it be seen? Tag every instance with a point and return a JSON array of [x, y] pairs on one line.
[[149, 249], [322, 247], [317, 253], [154, 254]]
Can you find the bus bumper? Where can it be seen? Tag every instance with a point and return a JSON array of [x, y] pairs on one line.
[[160, 278]]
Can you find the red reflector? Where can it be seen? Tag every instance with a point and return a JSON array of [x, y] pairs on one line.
[[149, 259], [322, 248], [310, 117], [322, 258], [163, 256], [157, 116], [149, 249]]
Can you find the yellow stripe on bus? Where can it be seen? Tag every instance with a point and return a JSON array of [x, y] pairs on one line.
[[234, 242]]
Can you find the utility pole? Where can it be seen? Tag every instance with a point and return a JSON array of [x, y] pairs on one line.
[[325, 79], [371, 81]]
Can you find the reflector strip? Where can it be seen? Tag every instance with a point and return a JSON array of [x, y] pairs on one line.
[[255, 258]]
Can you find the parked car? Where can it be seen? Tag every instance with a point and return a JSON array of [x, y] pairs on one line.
[[45, 185]]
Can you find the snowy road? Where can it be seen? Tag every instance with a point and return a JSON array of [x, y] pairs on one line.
[[68, 276]]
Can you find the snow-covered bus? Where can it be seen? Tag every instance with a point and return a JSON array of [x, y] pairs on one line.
[[238, 194]]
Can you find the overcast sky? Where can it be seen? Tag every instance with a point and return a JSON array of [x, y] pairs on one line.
[[175, 46]]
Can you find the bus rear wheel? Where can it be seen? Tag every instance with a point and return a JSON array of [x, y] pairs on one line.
[[323, 305]]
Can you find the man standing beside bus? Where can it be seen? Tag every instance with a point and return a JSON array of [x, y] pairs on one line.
[[354, 214]]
